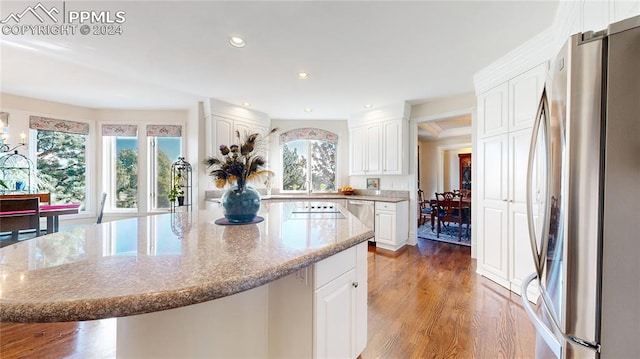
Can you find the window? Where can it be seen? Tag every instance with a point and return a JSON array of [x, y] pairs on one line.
[[120, 147], [165, 142], [308, 160], [137, 166], [61, 159], [165, 150]]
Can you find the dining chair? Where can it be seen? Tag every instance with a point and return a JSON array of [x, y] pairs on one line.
[[425, 211], [18, 214], [449, 211], [103, 199]]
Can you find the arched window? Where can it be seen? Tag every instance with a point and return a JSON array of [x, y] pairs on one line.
[[308, 160]]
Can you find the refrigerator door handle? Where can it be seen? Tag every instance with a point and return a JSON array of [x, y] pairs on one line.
[[542, 329], [539, 254], [545, 332]]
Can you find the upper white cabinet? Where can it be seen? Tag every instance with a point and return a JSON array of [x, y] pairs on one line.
[[367, 148], [378, 148], [225, 130], [506, 114], [224, 119], [493, 109], [379, 141], [511, 106]]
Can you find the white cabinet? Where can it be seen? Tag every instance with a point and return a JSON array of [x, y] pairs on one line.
[[392, 224], [366, 149], [336, 318], [321, 311], [393, 162], [378, 148], [506, 116], [225, 130]]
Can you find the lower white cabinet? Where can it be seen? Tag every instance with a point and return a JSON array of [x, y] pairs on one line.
[[392, 224], [321, 311]]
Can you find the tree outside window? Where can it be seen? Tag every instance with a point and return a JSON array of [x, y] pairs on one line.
[[61, 163], [303, 157]]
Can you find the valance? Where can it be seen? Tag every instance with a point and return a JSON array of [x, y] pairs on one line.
[[120, 130], [52, 124], [164, 130], [308, 134]]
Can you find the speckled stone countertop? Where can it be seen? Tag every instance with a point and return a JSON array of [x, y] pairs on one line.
[[363, 195], [154, 263]]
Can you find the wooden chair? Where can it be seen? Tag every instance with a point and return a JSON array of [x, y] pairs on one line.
[[449, 211], [19, 214], [425, 211]]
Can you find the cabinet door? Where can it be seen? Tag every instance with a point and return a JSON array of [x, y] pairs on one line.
[[224, 133], [373, 149], [386, 227], [493, 250], [357, 155], [520, 257], [524, 94], [392, 151], [493, 109], [335, 322]]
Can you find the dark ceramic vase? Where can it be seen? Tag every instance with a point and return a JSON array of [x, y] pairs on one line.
[[240, 205]]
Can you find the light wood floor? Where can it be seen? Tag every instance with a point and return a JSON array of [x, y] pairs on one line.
[[424, 302]]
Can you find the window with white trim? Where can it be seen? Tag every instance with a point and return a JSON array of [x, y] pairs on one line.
[[308, 160], [120, 149], [165, 142], [61, 159]]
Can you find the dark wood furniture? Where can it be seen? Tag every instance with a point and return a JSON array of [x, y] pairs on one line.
[[425, 209], [465, 170], [451, 207], [18, 214]]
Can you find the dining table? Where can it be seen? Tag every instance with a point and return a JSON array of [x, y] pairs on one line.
[[53, 212], [464, 204]]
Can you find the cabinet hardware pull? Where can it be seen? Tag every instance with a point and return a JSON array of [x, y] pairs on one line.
[[355, 284]]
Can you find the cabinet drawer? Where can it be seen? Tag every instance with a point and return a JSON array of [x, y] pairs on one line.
[[386, 206], [330, 268]]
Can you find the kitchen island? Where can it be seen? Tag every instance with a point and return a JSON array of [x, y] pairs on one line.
[[180, 285]]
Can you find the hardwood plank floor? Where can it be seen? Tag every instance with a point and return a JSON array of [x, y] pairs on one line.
[[424, 302], [427, 302]]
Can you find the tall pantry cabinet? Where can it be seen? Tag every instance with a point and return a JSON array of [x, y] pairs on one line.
[[506, 115]]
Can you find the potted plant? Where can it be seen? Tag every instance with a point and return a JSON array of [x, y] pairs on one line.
[[177, 188]]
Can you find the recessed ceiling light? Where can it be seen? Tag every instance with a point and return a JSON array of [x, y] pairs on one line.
[[303, 75], [307, 110], [367, 106], [236, 41], [246, 104]]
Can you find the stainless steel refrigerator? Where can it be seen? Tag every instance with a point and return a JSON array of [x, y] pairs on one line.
[[583, 199]]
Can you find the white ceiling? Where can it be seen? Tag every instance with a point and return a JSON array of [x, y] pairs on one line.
[[172, 54]]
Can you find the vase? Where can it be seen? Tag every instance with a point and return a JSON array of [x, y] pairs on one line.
[[180, 200], [240, 204]]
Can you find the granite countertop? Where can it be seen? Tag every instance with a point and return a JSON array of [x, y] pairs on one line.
[[154, 263], [379, 196]]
